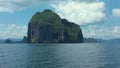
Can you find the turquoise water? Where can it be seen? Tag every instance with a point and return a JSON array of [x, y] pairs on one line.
[[87, 55]]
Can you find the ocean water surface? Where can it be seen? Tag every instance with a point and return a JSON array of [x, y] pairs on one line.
[[86, 55]]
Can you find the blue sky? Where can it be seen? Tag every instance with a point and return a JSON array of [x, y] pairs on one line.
[[97, 18]]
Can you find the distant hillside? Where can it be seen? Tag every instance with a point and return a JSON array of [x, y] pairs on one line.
[[92, 40], [13, 40], [117, 40]]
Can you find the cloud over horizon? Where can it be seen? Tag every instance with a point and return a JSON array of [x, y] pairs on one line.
[[102, 32], [116, 12], [81, 13], [12, 31]]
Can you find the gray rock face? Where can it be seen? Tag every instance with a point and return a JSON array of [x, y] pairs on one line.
[[48, 27]]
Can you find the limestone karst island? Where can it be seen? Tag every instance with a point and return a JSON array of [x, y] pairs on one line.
[[48, 27]]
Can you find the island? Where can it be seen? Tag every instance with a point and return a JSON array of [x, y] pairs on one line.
[[8, 41], [48, 27]]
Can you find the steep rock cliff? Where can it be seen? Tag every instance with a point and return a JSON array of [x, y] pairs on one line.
[[48, 27]]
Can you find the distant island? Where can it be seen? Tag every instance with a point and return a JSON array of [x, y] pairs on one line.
[[8, 41], [48, 27]]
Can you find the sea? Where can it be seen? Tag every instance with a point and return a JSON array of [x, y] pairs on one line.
[[84, 55]]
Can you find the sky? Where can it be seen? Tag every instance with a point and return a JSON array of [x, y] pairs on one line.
[[97, 18]]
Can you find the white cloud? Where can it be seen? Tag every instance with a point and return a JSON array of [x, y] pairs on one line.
[[116, 12], [15, 5], [12, 31], [95, 31], [81, 13]]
